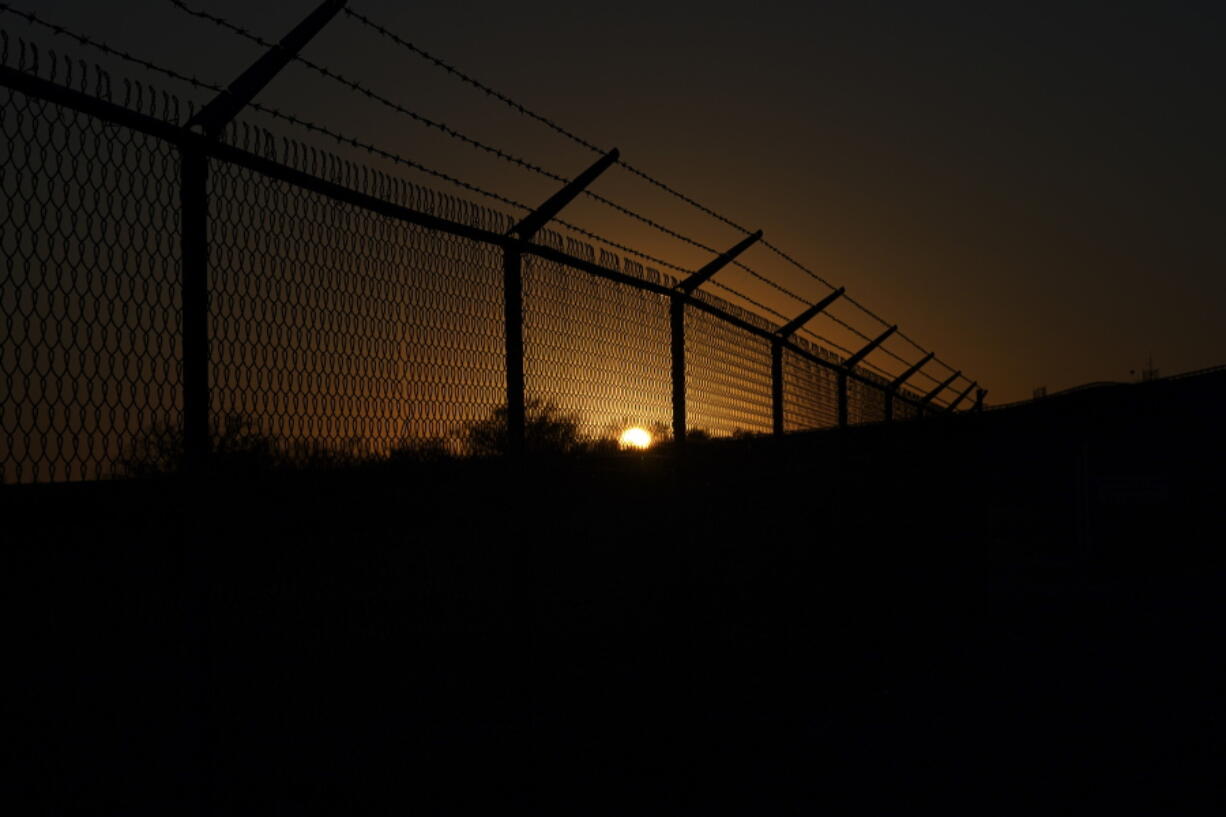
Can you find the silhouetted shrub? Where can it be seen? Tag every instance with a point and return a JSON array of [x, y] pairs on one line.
[[236, 444], [546, 431], [309, 455], [422, 449]]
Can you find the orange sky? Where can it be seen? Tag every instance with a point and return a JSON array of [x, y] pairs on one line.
[[1033, 193]]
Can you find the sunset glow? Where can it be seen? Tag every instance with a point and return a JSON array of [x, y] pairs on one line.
[[635, 437]]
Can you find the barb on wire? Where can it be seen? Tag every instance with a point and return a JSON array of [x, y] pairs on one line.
[[102, 47], [348, 140], [451, 69], [359, 88], [321, 130], [398, 159], [562, 131], [200, 84], [506, 156]]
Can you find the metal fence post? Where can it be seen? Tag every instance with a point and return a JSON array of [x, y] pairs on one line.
[[851, 363], [683, 290], [777, 387], [958, 401], [194, 287], [513, 291], [677, 325], [898, 382], [925, 403], [513, 317], [842, 386], [194, 212], [782, 334]]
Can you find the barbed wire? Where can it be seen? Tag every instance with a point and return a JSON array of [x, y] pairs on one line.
[[372, 149], [102, 47], [359, 88], [200, 84], [506, 156], [559, 129], [451, 69]]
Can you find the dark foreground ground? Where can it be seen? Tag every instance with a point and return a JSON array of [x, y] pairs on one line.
[[1015, 613]]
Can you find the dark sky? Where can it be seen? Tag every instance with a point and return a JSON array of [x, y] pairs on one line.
[[1031, 189]]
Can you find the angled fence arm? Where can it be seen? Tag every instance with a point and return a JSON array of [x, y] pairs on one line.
[[930, 396], [850, 364], [531, 224], [790, 328], [513, 293], [855, 359], [911, 372], [194, 214], [218, 113], [696, 280], [783, 333], [952, 406], [898, 382], [676, 309]]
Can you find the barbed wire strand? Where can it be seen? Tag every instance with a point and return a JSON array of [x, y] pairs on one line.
[[504, 155], [98, 45], [310, 126], [357, 87], [200, 84], [559, 129]]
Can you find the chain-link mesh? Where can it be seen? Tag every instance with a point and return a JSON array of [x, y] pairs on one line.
[[596, 349], [337, 329], [904, 410], [89, 292], [727, 372], [865, 403], [810, 394], [331, 328]]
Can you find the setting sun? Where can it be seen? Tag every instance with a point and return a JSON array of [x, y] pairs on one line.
[[635, 437]]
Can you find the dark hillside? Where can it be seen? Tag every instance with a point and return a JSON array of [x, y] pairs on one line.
[[1005, 613]]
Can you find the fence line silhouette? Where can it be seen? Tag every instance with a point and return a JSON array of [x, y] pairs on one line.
[[358, 89], [157, 277]]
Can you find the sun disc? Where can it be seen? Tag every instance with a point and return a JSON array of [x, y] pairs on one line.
[[636, 437]]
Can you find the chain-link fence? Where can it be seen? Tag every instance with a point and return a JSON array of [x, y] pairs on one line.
[[349, 313], [89, 295]]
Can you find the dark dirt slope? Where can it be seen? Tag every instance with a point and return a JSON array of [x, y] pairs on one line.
[[1017, 612]]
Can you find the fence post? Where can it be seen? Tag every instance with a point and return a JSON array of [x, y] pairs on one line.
[[894, 386], [677, 325], [513, 292], [513, 317], [194, 213], [842, 387], [954, 405], [682, 292], [194, 291], [782, 334], [851, 363], [777, 387], [940, 387]]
